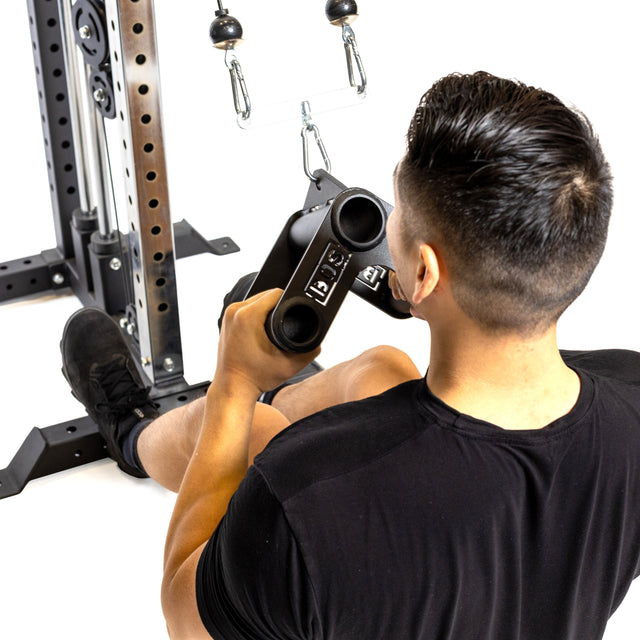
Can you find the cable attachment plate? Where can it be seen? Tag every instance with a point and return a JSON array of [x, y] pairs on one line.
[[90, 31], [101, 88], [241, 100], [309, 127], [354, 60]]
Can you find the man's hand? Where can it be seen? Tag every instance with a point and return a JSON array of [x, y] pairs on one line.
[[245, 352]]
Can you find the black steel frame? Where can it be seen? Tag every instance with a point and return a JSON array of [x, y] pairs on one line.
[[83, 263]]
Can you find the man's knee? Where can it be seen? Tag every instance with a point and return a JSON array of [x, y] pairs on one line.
[[391, 359], [379, 369]]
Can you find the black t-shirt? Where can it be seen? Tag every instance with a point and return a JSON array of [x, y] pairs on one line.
[[397, 517]]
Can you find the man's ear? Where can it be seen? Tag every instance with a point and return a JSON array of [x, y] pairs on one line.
[[427, 274]]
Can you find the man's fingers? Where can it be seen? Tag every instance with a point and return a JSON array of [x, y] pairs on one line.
[[245, 348], [266, 300], [263, 301]]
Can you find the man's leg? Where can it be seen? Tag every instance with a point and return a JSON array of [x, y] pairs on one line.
[[105, 380], [369, 374], [165, 447]]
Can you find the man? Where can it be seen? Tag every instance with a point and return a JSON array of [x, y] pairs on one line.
[[496, 497]]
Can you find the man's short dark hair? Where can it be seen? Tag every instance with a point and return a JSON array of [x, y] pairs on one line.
[[514, 189]]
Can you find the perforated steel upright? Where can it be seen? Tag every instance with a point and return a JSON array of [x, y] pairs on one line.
[[48, 53], [136, 80]]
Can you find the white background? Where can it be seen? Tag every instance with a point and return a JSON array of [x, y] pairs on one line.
[[81, 552]]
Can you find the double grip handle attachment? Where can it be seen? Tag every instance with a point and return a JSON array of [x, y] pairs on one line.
[[329, 249]]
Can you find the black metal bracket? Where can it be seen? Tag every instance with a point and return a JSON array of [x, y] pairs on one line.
[[74, 443], [190, 242], [49, 272]]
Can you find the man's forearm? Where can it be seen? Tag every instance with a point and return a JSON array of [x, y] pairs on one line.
[[216, 469], [247, 364]]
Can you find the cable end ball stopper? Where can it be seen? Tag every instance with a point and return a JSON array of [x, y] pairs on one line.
[[341, 12], [225, 31]]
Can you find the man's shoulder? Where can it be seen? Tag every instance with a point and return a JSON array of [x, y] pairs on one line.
[[621, 365], [336, 440], [615, 409]]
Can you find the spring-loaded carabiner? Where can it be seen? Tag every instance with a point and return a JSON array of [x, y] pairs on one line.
[[353, 56], [307, 128], [241, 99]]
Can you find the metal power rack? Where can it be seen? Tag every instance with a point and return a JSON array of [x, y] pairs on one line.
[[97, 59]]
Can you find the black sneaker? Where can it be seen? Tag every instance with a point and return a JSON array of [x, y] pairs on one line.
[[239, 293], [100, 369]]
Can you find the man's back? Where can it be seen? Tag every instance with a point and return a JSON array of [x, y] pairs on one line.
[[399, 517]]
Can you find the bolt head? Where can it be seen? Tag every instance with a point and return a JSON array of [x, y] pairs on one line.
[[115, 264], [99, 95], [169, 365], [85, 32], [57, 278]]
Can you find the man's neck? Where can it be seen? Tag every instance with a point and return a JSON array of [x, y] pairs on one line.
[[511, 382]]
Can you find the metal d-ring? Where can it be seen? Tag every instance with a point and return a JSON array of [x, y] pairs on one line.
[[353, 57], [241, 100], [307, 128]]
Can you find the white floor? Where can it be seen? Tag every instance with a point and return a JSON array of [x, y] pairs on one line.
[[81, 551]]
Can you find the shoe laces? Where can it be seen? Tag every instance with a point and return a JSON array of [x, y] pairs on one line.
[[120, 390]]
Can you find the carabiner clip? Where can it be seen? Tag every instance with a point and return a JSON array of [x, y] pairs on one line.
[[307, 128], [353, 56], [238, 86]]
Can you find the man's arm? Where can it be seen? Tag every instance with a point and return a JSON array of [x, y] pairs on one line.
[[248, 364]]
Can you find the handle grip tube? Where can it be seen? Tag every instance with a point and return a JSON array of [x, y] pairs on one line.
[[334, 246], [358, 220], [296, 326]]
